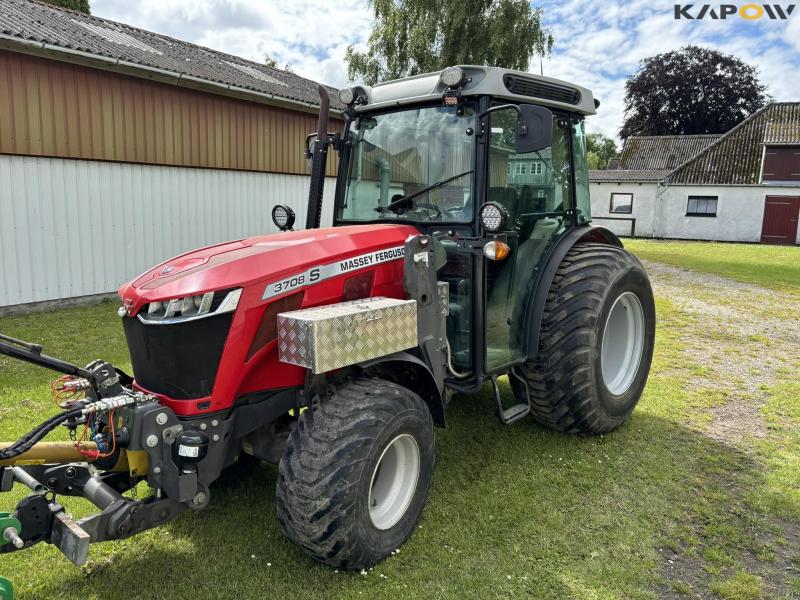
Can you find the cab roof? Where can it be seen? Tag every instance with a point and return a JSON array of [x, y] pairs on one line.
[[501, 83]]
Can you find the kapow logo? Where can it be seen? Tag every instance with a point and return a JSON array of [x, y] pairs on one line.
[[750, 12]]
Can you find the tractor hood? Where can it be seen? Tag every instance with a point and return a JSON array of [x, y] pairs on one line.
[[266, 258]]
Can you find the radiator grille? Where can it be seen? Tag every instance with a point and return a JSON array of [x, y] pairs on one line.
[[541, 89], [178, 360]]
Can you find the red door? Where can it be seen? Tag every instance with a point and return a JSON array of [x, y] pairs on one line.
[[780, 220]]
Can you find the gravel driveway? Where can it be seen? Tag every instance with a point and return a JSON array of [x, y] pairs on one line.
[[738, 339], [744, 335]]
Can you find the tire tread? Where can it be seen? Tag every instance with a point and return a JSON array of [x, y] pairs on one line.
[[560, 375], [324, 460]]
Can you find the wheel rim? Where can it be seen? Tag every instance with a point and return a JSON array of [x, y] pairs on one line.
[[623, 342], [394, 481]]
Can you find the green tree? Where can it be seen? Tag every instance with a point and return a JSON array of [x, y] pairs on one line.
[[273, 63], [79, 5], [689, 91], [600, 149], [418, 36]]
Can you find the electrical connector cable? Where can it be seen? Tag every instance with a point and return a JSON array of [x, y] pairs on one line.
[[68, 391], [27, 441]]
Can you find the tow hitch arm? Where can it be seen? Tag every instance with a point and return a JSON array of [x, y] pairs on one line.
[[41, 518]]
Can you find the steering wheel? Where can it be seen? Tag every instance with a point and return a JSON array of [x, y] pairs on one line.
[[426, 206], [454, 211]]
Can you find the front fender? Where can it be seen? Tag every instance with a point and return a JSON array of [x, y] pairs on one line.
[[409, 371]]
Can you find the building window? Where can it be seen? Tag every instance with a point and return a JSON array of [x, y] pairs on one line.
[[536, 168], [621, 203], [781, 163], [701, 206], [540, 194]]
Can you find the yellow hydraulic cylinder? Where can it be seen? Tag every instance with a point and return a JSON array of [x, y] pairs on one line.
[[51, 453]]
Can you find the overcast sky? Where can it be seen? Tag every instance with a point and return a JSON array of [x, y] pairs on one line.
[[598, 44]]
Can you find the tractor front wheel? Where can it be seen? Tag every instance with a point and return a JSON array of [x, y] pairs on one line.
[[356, 472], [595, 342]]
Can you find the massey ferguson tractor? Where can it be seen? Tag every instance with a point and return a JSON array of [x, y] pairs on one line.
[[461, 255]]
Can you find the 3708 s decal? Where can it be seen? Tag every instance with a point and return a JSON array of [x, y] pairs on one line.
[[316, 274], [294, 282]]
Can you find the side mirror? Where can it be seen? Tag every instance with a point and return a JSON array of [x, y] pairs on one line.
[[311, 140], [283, 217], [534, 129]]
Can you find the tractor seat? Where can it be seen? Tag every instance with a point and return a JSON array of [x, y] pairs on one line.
[[505, 196]]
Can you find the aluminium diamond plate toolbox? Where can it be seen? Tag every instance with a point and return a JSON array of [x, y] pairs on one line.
[[329, 337]]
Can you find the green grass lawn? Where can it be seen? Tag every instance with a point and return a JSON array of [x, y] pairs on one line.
[[513, 512], [776, 267]]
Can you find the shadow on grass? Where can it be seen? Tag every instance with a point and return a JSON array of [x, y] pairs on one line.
[[513, 511]]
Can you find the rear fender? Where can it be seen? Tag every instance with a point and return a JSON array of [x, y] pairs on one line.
[[533, 318], [409, 371]]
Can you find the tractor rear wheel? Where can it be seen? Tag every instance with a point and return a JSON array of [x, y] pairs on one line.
[[595, 343], [356, 472]]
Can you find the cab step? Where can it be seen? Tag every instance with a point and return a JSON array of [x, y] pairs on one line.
[[518, 411]]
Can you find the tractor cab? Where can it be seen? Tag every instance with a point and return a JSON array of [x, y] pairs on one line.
[[491, 162]]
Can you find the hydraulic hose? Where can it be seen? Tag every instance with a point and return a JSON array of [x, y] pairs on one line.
[[27, 441], [450, 367], [39, 359]]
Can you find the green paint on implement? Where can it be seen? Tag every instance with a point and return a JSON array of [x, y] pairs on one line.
[[6, 521], [6, 591]]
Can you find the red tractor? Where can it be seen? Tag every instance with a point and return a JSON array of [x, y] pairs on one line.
[[461, 252]]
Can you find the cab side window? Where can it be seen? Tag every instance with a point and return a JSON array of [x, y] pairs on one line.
[[532, 183], [583, 204]]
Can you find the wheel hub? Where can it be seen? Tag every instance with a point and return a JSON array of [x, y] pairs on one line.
[[394, 481], [623, 343]]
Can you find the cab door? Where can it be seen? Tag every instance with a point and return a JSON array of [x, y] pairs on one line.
[[536, 190]]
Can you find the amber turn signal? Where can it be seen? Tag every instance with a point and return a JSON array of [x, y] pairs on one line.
[[495, 250]]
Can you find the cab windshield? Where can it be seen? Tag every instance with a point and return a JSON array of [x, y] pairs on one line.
[[411, 165]]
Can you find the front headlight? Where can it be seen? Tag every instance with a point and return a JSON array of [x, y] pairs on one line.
[[188, 308]]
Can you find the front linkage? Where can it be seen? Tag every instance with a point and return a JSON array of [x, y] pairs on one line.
[[134, 439]]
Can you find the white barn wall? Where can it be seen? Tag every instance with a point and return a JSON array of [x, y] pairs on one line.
[[71, 228], [660, 211], [740, 212], [644, 201]]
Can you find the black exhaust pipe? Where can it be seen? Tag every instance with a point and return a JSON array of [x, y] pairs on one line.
[[319, 160]]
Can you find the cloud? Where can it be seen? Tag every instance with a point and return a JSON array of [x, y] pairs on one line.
[[598, 44]]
